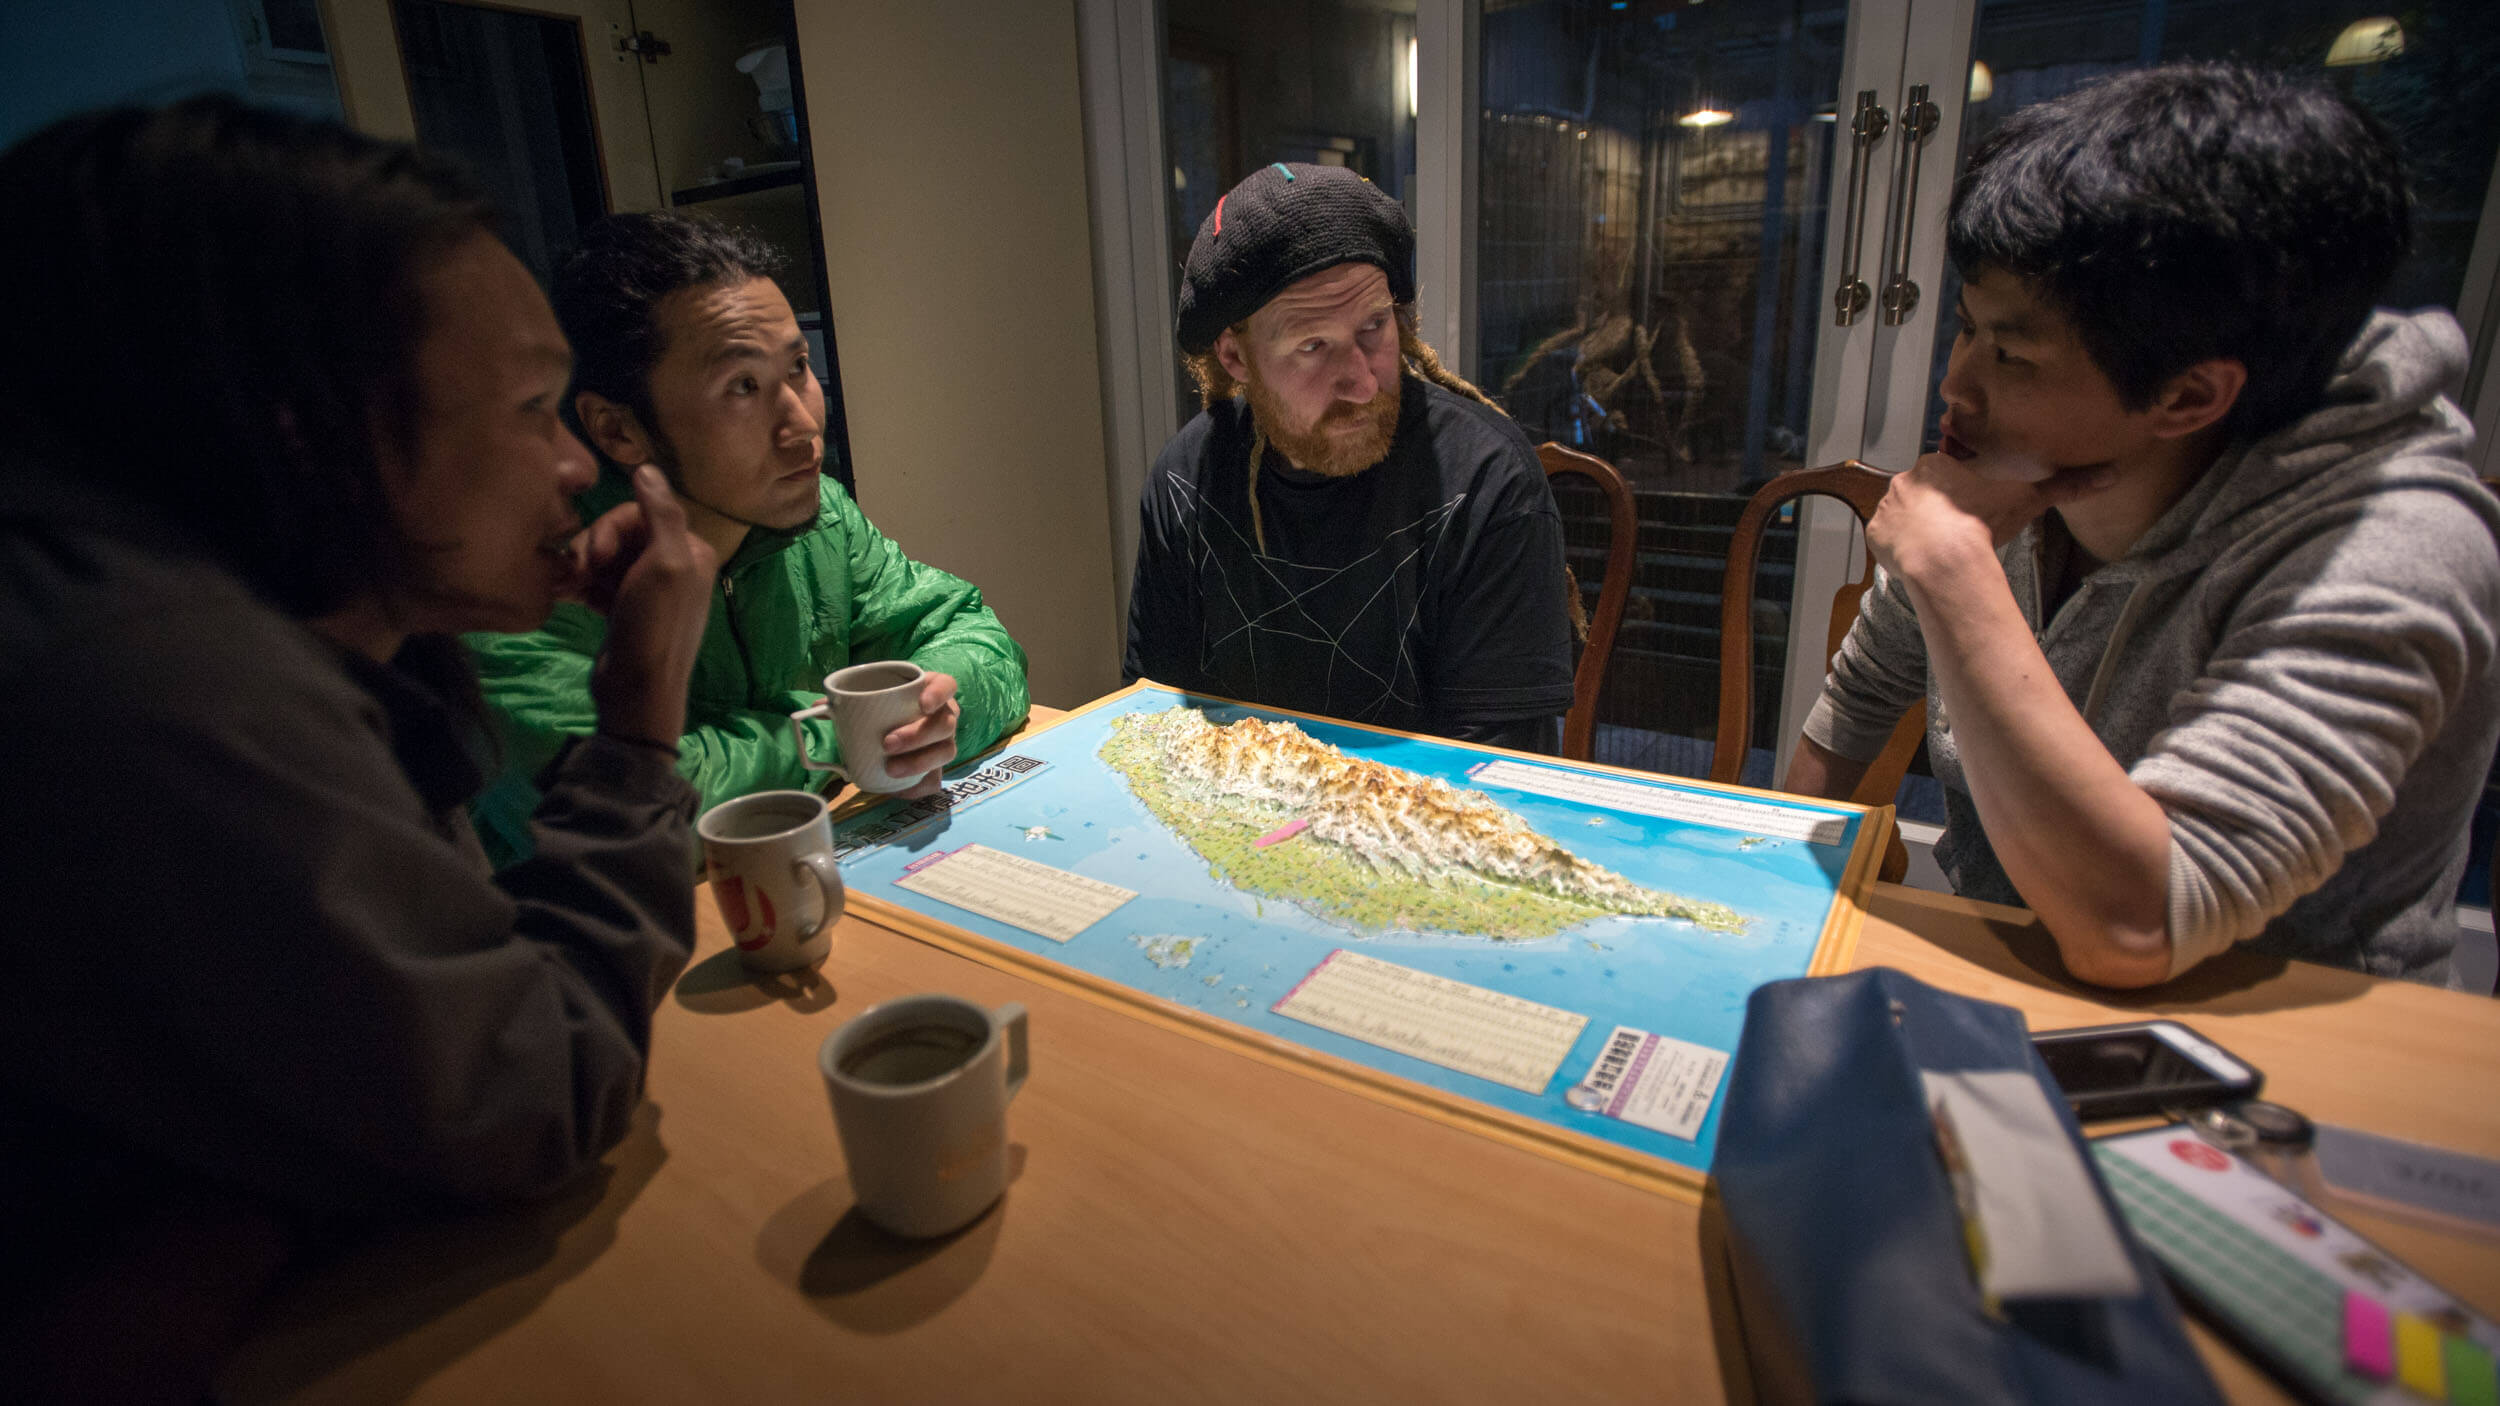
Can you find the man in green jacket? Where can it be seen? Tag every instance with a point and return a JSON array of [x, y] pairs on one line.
[[688, 357]]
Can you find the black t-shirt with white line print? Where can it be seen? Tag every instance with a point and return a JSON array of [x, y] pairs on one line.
[[1425, 593]]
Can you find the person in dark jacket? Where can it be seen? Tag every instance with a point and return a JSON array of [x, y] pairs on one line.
[[278, 420], [1350, 529]]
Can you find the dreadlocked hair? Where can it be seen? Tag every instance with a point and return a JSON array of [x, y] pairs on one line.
[[1427, 363]]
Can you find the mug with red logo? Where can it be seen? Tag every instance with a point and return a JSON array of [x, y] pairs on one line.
[[770, 859]]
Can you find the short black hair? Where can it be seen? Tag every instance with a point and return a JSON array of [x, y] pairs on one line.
[[608, 294], [2192, 211], [214, 311]]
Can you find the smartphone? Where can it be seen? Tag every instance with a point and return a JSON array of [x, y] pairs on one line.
[[2141, 1068]]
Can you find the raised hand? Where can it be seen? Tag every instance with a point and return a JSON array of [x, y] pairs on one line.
[[1947, 512], [652, 577]]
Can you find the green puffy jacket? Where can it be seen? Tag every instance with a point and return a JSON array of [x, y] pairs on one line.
[[792, 607]]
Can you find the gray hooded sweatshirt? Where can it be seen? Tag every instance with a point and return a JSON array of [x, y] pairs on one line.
[[2297, 661]]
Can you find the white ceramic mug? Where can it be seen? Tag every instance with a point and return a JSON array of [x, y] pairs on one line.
[[920, 1088], [770, 859], [865, 702]]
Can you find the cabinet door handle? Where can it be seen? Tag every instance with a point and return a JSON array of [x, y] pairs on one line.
[[1918, 123], [1866, 128]]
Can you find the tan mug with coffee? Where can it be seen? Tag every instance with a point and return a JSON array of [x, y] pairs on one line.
[[770, 860], [920, 1088], [865, 702]]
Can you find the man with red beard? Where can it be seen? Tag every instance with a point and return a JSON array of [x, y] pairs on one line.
[[1349, 529]]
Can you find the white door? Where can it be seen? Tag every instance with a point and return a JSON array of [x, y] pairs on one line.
[[1901, 119]]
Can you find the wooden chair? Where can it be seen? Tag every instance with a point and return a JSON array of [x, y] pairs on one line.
[[1861, 488], [1622, 552]]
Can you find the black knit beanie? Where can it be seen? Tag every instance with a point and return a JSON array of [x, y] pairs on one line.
[[1284, 223]]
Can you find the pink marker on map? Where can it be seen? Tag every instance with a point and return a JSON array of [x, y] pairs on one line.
[[1282, 833]]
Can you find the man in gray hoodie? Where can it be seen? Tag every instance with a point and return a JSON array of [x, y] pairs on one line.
[[2199, 589]]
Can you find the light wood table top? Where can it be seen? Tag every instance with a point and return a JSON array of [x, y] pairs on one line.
[[1190, 1223]]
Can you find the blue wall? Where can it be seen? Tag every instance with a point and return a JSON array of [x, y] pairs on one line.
[[58, 57]]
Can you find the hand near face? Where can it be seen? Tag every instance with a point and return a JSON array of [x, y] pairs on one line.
[[640, 566], [1946, 513], [928, 742]]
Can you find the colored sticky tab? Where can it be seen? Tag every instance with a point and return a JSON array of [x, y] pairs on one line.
[[2420, 1367], [2471, 1379], [2369, 1337]]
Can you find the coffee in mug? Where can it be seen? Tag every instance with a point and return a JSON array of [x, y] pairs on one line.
[[865, 702], [913, 1054], [920, 1088], [770, 860]]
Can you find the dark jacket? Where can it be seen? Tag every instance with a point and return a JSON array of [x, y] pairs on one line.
[[252, 944]]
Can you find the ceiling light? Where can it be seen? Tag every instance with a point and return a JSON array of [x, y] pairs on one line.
[[1706, 117]]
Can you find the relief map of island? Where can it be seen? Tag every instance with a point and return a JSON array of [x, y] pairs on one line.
[[1572, 945], [1281, 814]]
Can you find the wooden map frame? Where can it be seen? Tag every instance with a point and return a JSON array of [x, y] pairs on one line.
[[1834, 950]]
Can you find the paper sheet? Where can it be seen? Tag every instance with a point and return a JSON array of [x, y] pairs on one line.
[[1652, 1080], [1785, 822], [2047, 1233], [1450, 1023], [1016, 891]]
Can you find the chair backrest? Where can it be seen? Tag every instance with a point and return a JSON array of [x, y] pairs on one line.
[[1861, 488], [1622, 553]]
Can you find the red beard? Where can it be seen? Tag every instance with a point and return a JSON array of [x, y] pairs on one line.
[[1321, 450]]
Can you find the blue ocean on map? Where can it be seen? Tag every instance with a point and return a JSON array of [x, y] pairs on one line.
[[1238, 954]]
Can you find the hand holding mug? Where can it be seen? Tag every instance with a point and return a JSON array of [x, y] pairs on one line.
[[923, 746], [895, 724]]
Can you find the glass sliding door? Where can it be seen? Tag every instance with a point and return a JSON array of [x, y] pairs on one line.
[[1657, 186]]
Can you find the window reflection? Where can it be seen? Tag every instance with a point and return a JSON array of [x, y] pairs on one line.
[[1652, 184]]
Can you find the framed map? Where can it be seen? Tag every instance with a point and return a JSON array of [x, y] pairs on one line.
[[1553, 953]]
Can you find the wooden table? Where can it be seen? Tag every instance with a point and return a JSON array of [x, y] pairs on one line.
[[1188, 1223]]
